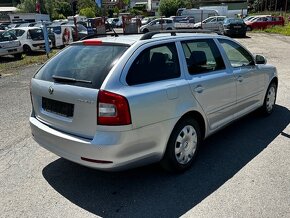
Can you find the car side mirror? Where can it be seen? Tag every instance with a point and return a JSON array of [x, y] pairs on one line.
[[259, 59]]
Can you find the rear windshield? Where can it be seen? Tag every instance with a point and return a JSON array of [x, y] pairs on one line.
[[234, 21], [87, 65], [36, 34]]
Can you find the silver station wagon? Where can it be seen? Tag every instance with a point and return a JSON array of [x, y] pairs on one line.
[[114, 103]]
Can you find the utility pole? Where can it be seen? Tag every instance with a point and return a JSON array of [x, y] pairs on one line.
[[276, 6], [286, 1]]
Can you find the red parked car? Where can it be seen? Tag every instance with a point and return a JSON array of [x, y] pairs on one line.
[[265, 22]]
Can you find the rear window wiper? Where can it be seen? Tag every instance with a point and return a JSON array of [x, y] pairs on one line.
[[69, 79]]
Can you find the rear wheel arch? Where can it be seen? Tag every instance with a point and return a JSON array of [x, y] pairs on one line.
[[275, 81], [199, 119], [183, 143]]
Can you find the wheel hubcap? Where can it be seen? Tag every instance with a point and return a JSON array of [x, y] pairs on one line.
[[185, 145], [270, 101]]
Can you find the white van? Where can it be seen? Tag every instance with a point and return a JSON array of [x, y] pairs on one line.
[[199, 14]]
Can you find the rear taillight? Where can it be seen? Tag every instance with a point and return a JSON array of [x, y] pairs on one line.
[[112, 109]]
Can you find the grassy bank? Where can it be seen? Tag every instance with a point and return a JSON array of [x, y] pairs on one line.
[[283, 30], [10, 65]]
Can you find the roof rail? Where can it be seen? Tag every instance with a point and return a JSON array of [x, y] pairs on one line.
[[149, 35]]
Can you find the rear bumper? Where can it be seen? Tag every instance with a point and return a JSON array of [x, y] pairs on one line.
[[124, 150], [232, 32], [11, 51]]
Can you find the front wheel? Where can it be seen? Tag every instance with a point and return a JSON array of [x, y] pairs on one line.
[[221, 30], [270, 99], [182, 146]]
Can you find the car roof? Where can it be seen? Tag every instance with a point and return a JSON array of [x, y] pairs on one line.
[[27, 28]]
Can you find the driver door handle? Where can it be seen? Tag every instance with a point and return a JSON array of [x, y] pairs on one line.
[[199, 89]]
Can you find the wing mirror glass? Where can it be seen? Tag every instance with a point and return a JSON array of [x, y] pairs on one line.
[[260, 59]]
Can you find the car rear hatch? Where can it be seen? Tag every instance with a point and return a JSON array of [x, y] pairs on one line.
[[8, 41], [64, 91], [237, 25]]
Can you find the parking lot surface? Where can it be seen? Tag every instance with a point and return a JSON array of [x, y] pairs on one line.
[[241, 171]]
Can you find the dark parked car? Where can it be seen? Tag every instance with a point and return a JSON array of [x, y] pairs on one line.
[[233, 27]]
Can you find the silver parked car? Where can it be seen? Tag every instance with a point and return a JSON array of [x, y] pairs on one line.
[[211, 23], [119, 102], [158, 24]]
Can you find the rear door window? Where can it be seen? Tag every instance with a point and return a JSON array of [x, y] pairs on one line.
[[87, 65], [155, 64], [36, 34]]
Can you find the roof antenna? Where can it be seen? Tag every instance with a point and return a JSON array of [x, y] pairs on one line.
[[115, 34]]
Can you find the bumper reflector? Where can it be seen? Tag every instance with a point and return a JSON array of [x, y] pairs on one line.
[[96, 161]]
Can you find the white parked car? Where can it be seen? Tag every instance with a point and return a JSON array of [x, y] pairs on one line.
[[10, 45], [211, 23], [158, 24], [31, 38]]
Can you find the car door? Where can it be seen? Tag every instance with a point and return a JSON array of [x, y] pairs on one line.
[[219, 22], [154, 25], [206, 23], [212, 23], [249, 79], [155, 85], [212, 83]]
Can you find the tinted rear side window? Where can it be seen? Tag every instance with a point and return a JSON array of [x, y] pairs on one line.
[[88, 63], [36, 34], [155, 64]]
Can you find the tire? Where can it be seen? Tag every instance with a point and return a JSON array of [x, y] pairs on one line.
[[244, 35], [169, 28], [26, 49], [270, 99], [249, 28], [18, 56], [221, 30], [145, 31], [182, 146]]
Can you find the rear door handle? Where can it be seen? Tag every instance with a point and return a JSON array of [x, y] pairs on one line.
[[198, 89]]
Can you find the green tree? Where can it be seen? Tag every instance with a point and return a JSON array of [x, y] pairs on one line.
[[86, 4], [61, 9], [88, 12], [169, 7], [27, 6]]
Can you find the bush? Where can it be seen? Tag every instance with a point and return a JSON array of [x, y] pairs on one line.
[[88, 12]]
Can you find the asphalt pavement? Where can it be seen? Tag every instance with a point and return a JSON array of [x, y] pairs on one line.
[[241, 171]]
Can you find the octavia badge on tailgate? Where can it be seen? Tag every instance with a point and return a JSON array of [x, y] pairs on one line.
[[50, 90]]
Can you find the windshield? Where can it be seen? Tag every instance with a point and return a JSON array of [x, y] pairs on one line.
[[82, 63]]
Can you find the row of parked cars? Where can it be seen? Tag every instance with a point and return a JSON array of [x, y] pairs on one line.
[[21, 39], [226, 26], [18, 38], [237, 26]]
